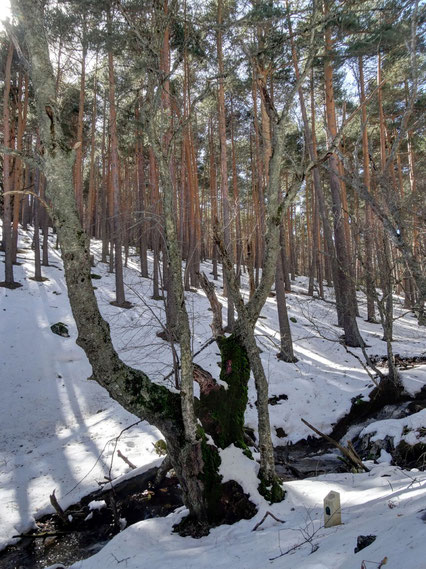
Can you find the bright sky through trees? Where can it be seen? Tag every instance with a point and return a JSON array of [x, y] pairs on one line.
[[4, 11]]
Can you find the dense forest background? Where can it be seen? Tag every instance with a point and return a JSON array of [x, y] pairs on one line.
[[273, 139]]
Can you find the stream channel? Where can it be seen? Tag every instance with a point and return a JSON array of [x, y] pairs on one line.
[[135, 499]]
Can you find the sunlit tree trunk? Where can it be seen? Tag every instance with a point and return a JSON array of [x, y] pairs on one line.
[[347, 301], [369, 279], [115, 185], [91, 201], [223, 156], [213, 194], [236, 200], [7, 209], [78, 166], [141, 213], [22, 108]]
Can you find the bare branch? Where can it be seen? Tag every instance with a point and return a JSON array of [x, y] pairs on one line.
[[30, 193], [23, 60], [126, 460], [349, 452], [208, 287], [268, 513]]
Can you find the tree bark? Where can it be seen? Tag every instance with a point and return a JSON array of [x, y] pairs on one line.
[[286, 353], [78, 165], [346, 302], [142, 228], [224, 161], [91, 202], [369, 280], [195, 461], [7, 210], [115, 183]]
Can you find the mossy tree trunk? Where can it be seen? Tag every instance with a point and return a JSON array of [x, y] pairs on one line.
[[195, 461], [222, 410], [248, 313]]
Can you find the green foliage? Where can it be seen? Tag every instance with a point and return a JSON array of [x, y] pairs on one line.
[[189, 40]]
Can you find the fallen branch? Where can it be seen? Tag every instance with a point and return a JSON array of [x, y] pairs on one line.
[[126, 460], [41, 535], [350, 453], [379, 564], [268, 513]]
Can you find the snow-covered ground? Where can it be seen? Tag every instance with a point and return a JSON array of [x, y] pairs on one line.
[[57, 429]]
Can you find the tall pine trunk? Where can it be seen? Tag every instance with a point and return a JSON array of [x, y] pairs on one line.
[[9, 281], [346, 301], [115, 186]]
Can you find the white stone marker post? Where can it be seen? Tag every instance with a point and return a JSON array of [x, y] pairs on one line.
[[332, 511]]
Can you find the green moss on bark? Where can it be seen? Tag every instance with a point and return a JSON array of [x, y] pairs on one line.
[[272, 491], [155, 399], [211, 478], [222, 411]]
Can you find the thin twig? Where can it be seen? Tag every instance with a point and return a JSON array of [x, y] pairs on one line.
[[100, 456], [268, 513], [308, 539], [30, 193], [126, 460]]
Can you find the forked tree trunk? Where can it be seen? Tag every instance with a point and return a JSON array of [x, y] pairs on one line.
[[196, 461]]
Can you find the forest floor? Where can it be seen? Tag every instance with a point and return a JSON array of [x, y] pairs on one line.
[[59, 431]]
